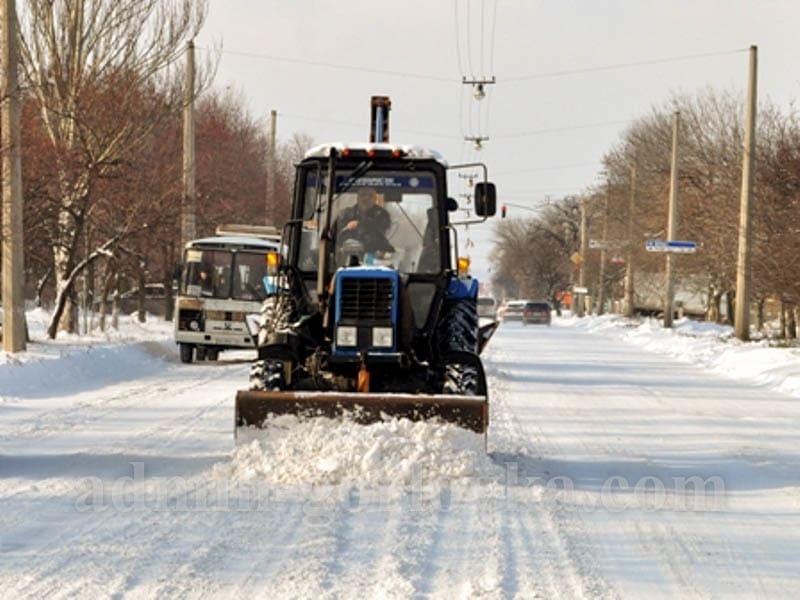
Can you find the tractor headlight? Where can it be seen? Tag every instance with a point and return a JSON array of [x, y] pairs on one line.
[[382, 337], [346, 336]]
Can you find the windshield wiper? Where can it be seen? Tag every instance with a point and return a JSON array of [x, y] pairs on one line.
[[351, 180]]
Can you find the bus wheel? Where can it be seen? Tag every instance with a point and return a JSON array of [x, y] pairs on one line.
[[186, 353]]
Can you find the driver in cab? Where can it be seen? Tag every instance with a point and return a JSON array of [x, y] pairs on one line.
[[367, 222]]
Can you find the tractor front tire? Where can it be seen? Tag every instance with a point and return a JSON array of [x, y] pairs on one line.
[[267, 375]]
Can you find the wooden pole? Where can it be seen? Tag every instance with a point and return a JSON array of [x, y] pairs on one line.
[[188, 209], [14, 339], [743, 265], [672, 222]]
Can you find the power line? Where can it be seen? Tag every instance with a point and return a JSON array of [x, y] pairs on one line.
[[483, 7], [491, 43], [529, 193], [469, 36], [429, 77], [361, 125], [613, 67], [560, 129], [458, 42], [327, 65], [551, 168]]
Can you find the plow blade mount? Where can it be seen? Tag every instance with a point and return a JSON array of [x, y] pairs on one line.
[[469, 412]]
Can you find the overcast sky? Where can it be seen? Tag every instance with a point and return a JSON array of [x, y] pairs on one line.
[[432, 44]]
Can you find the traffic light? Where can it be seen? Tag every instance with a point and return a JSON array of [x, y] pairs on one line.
[[503, 211]]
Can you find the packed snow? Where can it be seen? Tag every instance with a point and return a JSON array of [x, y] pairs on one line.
[[623, 461]]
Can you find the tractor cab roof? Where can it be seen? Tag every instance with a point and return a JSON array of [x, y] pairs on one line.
[[388, 150]]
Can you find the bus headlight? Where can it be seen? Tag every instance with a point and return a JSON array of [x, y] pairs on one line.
[[346, 335], [382, 337]]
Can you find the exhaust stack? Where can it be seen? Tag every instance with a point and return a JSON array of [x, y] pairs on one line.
[[379, 122]]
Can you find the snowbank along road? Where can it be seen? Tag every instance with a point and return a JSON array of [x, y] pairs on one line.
[[612, 472]]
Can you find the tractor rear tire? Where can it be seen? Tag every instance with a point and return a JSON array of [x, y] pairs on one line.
[[212, 354], [458, 327], [458, 332]]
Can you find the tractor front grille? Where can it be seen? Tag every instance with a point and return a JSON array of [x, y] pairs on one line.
[[366, 299]]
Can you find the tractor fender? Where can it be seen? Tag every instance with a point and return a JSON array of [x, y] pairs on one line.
[[459, 289]]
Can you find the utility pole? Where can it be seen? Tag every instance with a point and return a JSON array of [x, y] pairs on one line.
[[628, 300], [13, 274], [743, 265], [188, 208], [672, 221], [582, 271], [601, 293], [272, 168]]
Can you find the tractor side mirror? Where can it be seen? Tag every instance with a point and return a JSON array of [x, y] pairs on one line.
[[177, 272], [485, 199]]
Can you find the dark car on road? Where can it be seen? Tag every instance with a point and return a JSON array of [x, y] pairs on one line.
[[537, 313]]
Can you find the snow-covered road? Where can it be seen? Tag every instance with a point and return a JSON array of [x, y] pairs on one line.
[[612, 472]]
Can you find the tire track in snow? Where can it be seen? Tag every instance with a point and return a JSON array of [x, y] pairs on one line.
[[265, 557], [64, 541], [462, 550], [410, 532], [177, 428], [85, 412], [227, 542], [563, 550], [305, 570]]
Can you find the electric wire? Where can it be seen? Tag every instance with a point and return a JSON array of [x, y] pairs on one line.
[[549, 168], [483, 28], [469, 38], [491, 42], [361, 125], [458, 42], [429, 77], [560, 129], [327, 65], [614, 67]]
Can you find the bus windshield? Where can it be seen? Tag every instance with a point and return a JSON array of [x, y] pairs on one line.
[[224, 274]]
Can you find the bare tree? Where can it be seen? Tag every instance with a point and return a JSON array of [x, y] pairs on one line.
[[103, 74]]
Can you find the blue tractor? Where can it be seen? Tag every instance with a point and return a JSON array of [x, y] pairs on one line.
[[371, 311]]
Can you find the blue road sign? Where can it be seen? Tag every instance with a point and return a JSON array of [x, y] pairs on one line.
[[677, 246]]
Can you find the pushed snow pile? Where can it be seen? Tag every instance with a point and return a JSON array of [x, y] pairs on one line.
[[328, 452]]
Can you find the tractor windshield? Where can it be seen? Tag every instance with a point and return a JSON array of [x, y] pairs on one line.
[[380, 218]]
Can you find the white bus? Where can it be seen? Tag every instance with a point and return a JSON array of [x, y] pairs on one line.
[[222, 281]]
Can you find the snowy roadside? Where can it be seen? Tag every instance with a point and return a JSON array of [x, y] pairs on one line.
[[71, 362], [707, 345], [41, 347]]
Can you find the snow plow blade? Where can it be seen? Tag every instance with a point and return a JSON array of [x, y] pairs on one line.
[[469, 412]]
